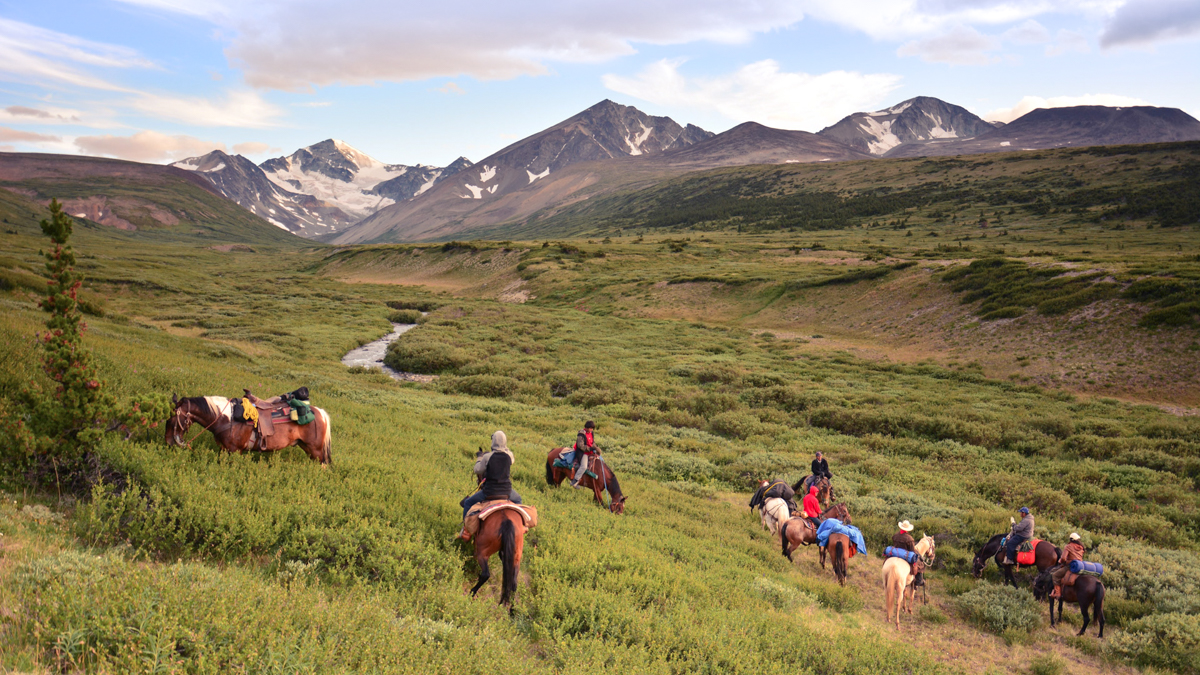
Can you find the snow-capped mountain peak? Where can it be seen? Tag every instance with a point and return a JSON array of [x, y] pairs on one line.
[[923, 119]]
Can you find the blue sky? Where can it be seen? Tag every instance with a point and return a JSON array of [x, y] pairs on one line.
[[407, 82]]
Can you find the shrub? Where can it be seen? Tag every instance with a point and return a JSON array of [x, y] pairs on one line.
[[931, 614], [1047, 664], [418, 305], [1003, 313], [416, 355], [1001, 608], [494, 386], [405, 316], [1161, 641], [735, 424]]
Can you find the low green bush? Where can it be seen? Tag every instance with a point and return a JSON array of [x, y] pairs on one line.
[[1047, 664], [405, 316], [931, 614], [1001, 608], [1170, 641]]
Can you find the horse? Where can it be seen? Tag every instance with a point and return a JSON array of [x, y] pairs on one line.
[[214, 414], [774, 513], [799, 531], [1045, 556], [824, 489], [606, 480], [897, 577], [1087, 591], [839, 544], [503, 532]]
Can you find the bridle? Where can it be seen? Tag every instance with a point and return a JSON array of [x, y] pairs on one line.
[[184, 419]]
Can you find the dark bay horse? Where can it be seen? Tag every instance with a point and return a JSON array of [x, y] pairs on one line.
[[799, 531], [1086, 592], [503, 532], [824, 489], [214, 414], [606, 480], [840, 545], [1045, 556]]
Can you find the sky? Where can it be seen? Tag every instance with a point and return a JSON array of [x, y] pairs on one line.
[[426, 82]]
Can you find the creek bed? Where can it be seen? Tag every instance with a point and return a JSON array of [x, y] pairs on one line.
[[371, 355]]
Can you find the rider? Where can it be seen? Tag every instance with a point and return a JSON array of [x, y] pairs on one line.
[[820, 467], [812, 508], [585, 447], [1022, 532], [493, 471], [1062, 575], [903, 539]]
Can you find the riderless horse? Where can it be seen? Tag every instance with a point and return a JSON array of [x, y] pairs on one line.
[[502, 532], [1087, 591], [214, 414], [774, 512], [1045, 556], [801, 531], [840, 545], [898, 576], [604, 481]]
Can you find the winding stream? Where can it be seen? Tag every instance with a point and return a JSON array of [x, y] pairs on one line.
[[371, 355]]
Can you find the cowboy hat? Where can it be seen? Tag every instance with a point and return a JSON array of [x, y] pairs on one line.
[[905, 525], [1074, 536]]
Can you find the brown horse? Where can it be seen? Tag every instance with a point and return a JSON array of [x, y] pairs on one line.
[[606, 480], [824, 489], [214, 414], [1045, 556], [840, 545], [1086, 592], [503, 532], [800, 531]]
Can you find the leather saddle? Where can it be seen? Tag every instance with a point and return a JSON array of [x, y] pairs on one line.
[[273, 409]]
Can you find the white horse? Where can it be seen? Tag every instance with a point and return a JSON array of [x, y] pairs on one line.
[[898, 577], [774, 512]]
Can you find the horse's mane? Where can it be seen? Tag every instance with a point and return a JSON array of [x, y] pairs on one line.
[[613, 486]]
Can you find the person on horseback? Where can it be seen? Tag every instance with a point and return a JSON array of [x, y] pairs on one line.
[[903, 539], [812, 508], [585, 447], [820, 468], [1022, 531], [1062, 575], [493, 470]]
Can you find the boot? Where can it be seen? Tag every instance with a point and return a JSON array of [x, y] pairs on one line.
[[469, 528]]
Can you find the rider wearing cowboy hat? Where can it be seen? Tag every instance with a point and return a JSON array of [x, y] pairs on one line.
[[904, 540], [1062, 575]]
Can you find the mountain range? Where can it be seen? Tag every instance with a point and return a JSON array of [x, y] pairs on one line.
[[339, 194]]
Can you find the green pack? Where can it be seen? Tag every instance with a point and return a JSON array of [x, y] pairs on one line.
[[301, 411]]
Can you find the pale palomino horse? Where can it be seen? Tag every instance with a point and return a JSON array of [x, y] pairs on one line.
[[897, 580], [774, 512]]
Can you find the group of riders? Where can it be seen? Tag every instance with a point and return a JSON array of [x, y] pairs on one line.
[[810, 509], [493, 473]]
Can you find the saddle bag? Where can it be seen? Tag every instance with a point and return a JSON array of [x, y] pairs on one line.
[[1084, 567], [301, 411], [907, 556]]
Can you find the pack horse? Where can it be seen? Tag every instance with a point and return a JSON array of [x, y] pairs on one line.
[[251, 423]]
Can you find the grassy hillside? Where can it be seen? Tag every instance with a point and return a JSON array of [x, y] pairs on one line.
[[192, 560]]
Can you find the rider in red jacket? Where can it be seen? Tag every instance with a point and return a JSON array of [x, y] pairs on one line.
[[812, 508]]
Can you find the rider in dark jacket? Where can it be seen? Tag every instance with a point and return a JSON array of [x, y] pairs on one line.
[[820, 468], [1022, 532]]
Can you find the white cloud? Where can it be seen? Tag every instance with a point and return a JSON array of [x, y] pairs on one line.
[[1028, 33], [1034, 102], [1144, 22], [451, 88], [1068, 41], [27, 115], [298, 44], [29, 53], [961, 45], [253, 148], [238, 108], [17, 136], [761, 92], [146, 146]]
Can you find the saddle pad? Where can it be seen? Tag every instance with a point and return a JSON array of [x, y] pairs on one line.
[[1085, 567], [565, 461], [1029, 557], [528, 513], [904, 554]]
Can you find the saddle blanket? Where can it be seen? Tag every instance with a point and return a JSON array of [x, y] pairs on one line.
[[1027, 552], [1085, 567], [907, 556], [567, 461], [835, 526], [528, 513]]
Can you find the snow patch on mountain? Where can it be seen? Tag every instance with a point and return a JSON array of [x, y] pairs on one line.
[[635, 145], [488, 173], [882, 133], [476, 192], [534, 176]]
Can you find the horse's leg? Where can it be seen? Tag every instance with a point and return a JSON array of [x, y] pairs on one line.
[[484, 575], [1083, 609], [821, 549]]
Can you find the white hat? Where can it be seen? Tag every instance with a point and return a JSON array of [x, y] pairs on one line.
[[1074, 536], [905, 525]]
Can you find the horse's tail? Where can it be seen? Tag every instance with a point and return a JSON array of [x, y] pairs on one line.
[[839, 560], [326, 439], [783, 536], [508, 554], [550, 470], [1098, 603]]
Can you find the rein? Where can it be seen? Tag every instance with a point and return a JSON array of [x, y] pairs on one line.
[[216, 419]]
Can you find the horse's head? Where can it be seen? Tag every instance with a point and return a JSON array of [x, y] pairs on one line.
[[179, 421], [1041, 585], [977, 566], [618, 505], [929, 545]]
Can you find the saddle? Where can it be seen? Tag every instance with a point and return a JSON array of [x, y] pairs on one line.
[[481, 511], [292, 407]]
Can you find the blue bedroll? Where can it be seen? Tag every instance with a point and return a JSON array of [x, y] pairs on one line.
[[1085, 567], [904, 554], [835, 526], [565, 460]]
